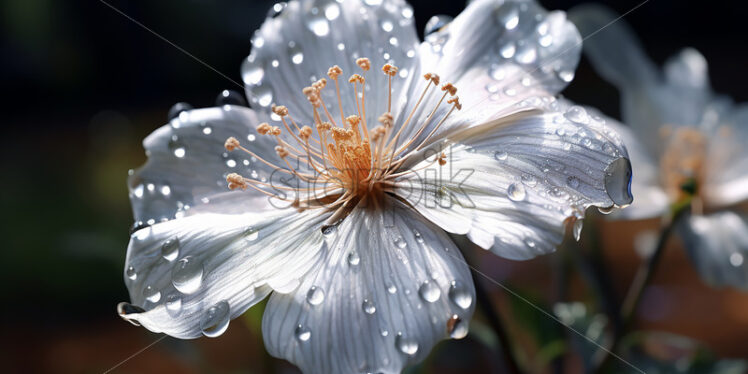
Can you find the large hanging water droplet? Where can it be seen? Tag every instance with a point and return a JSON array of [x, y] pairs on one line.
[[516, 192], [252, 72], [618, 181], [131, 273], [302, 333], [151, 294], [457, 328], [215, 320], [460, 295], [368, 307], [315, 295], [174, 305], [429, 291], [406, 345], [170, 249], [187, 275], [435, 23]]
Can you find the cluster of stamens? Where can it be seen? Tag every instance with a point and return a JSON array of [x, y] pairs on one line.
[[682, 160], [349, 161]]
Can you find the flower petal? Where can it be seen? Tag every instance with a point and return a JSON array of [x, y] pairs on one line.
[[497, 54], [718, 247], [297, 47], [389, 287], [188, 163], [188, 277], [519, 180], [650, 99], [726, 180]]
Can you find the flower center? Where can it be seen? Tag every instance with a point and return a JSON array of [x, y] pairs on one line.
[[347, 161], [682, 162]]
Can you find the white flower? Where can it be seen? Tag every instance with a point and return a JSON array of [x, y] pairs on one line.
[[353, 248], [680, 133]]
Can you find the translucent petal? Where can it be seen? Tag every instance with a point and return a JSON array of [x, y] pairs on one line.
[[297, 47], [187, 165], [517, 181], [391, 285], [497, 54], [184, 274], [718, 246], [726, 180]]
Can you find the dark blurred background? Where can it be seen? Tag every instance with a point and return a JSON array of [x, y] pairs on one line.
[[83, 86]]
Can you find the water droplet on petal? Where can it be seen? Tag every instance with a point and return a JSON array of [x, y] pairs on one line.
[[526, 54], [618, 181], [577, 229], [391, 289], [429, 291], [507, 50], [176, 147], [251, 234], [252, 72], [151, 294], [530, 243], [131, 273], [457, 328], [353, 258], [187, 275], [435, 23], [400, 242], [297, 57], [460, 295], [576, 114], [277, 9], [170, 249], [566, 75], [302, 333], [318, 25], [508, 16], [736, 259], [419, 237], [387, 25], [315, 295], [368, 307], [227, 97], [406, 345], [516, 192], [500, 155], [177, 109], [572, 182], [529, 180], [174, 305], [215, 320]]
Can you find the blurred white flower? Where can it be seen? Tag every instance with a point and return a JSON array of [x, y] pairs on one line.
[[346, 190], [681, 135]]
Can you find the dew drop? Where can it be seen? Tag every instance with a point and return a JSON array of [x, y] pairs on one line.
[[332, 11], [170, 249], [187, 275], [572, 182], [576, 114], [251, 234], [353, 258], [315, 295], [500, 155], [529, 180], [252, 72], [387, 25], [226, 97], [400, 242], [319, 26], [131, 273], [215, 320], [178, 109], [429, 291], [391, 289], [618, 181], [736, 259], [508, 16], [174, 305], [151, 294], [297, 57], [527, 54], [435, 23], [516, 192], [406, 346], [368, 307], [507, 50], [419, 237], [176, 147], [457, 328], [566, 75], [302, 333], [530, 243], [277, 9], [460, 295]]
